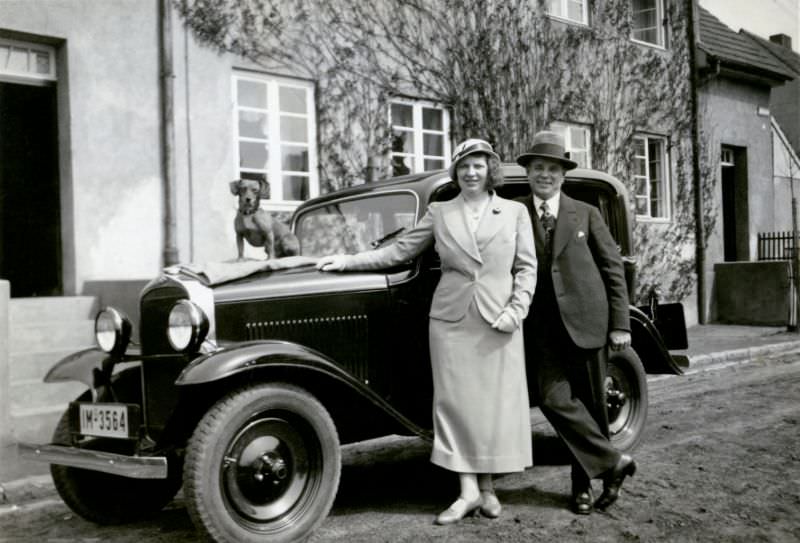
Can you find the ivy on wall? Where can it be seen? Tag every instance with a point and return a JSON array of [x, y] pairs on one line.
[[503, 68]]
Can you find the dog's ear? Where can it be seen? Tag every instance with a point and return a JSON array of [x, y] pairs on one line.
[[264, 193], [234, 185]]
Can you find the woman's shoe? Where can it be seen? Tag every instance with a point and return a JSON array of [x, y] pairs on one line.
[[490, 506], [458, 510]]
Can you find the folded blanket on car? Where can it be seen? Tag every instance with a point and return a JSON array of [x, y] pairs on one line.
[[214, 273]]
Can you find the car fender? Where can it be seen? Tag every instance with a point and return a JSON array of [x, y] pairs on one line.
[[254, 355], [649, 345]]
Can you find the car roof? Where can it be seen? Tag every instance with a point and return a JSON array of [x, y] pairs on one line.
[[424, 183]]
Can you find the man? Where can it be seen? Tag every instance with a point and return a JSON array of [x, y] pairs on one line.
[[580, 306]]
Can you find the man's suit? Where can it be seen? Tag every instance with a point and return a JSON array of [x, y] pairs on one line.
[[581, 294]]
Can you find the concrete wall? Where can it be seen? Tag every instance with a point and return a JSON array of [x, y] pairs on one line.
[[785, 107], [768, 289], [6, 437], [729, 116]]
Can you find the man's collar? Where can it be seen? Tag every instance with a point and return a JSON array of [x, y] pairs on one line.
[[552, 204]]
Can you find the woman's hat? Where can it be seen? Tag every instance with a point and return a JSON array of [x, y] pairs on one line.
[[550, 145], [469, 147]]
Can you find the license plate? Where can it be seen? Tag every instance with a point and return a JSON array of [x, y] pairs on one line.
[[104, 420]]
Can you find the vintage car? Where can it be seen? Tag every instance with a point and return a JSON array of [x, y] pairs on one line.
[[243, 390]]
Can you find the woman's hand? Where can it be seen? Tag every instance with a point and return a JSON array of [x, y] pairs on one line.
[[504, 323], [331, 263]]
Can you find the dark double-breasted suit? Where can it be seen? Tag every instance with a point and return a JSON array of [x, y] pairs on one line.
[[581, 295]]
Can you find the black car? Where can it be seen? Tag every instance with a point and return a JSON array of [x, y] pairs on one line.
[[244, 389]]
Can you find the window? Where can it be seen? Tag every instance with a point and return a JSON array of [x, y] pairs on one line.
[[355, 224], [275, 133], [575, 11], [27, 60], [577, 140], [419, 137], [650, 178], [648, 22]]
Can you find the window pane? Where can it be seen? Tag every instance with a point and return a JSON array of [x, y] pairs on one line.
[[254, 176], [432, 144], [403, 142], [292, 100], [431, 119], [575, 11], [554, 7], [640, 186], [42, 63], [402, 165], [17, 60], [433, 164], [294, 158], [638, 147], [294, 129], [578, 136], [641, 206], [252, 124], [639, 167], [253, 155], [295, 187], [647, 36], [251, 94], [402, 115], [579, 157]]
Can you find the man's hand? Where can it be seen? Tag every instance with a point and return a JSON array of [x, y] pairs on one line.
[[504, 323], [619, 340]]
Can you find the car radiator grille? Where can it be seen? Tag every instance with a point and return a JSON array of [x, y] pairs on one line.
[[345, 339]]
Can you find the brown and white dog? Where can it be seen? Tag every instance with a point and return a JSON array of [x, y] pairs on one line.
[[256, 225]]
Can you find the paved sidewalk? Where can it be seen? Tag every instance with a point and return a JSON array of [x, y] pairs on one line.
[[708, 344]]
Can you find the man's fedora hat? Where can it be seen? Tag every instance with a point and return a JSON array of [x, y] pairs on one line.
[[550, 145], [470, 147]]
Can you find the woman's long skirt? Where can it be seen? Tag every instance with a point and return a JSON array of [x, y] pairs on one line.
[[481, 415]]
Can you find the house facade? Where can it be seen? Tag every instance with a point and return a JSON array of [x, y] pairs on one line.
[[736, 80], [128, 139]]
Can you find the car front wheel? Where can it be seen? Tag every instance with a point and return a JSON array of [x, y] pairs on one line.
[[263, 465], [626, 397]]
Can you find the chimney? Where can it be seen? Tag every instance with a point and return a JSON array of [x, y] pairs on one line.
[[781, 39]]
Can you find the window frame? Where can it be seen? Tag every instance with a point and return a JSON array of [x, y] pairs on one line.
[[274, 168], [29, 76], [565, 11], [666, 182], [661, 26], [417, 129], [565, 130]]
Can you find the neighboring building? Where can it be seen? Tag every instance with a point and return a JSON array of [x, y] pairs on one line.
[[131, 169], [736, 79]]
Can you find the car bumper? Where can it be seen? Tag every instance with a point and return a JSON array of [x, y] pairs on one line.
[[135, 467]]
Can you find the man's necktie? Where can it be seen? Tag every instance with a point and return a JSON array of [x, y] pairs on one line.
[[549, 225]]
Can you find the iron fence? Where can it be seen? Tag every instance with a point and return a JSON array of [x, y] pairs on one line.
[[775, 245]]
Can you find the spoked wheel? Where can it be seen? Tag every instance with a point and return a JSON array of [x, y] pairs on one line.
[[626, 397], [263, 465]]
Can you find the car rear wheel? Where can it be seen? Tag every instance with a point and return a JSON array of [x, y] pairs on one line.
[[263, 465], [626, 397], [104, 498]]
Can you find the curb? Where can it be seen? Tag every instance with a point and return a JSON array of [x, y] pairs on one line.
[[737, 355]]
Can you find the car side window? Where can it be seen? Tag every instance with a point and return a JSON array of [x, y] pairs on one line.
[[352, 225]]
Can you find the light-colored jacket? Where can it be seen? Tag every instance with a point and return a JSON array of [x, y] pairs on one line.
[[495, 266]]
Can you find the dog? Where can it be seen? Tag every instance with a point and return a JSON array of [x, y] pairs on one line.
[[257, 226]]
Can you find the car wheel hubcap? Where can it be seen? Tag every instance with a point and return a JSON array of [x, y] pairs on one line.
[[618, 402], [265, 470]]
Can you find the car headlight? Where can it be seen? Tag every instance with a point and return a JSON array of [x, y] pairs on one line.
[[187, 327], [112, 330]]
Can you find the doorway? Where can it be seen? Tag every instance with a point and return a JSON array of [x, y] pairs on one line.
[[30, 218], [734, 203]]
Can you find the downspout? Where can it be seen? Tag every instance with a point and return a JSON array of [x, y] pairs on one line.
[[167, 77], [700, 236]]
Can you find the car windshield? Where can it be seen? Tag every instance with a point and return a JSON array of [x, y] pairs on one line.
[[353, 225]]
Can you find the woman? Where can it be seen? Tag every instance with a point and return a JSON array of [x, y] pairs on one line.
[[481, 417]]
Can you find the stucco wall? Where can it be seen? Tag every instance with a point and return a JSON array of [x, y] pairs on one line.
[[729, 113], [767, 286], [109, 144]]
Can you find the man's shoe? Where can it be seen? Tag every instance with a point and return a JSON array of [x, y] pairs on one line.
[[582, 500], [612, 482]]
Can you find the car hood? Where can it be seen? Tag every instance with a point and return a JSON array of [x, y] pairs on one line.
[[300, 281]]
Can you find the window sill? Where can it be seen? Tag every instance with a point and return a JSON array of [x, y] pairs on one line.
[[649, 44], [653, 220]]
